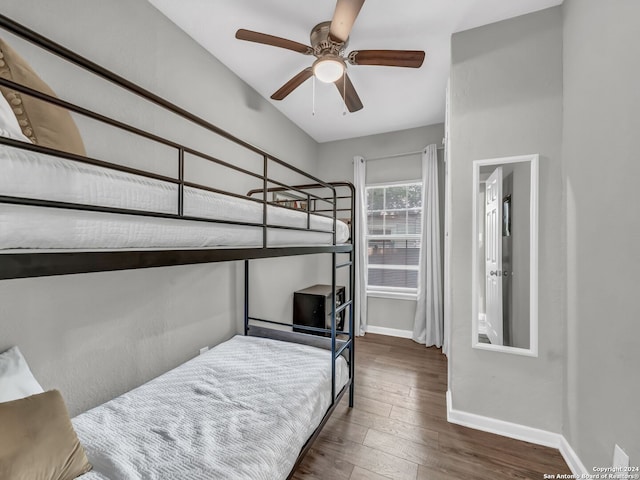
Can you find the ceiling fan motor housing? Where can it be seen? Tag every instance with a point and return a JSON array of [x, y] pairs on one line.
[[323, 44]]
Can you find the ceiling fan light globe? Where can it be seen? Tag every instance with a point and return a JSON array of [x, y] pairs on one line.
[[328, 70]]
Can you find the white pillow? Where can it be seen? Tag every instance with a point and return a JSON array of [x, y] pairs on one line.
[[16, 380], [9, 126]]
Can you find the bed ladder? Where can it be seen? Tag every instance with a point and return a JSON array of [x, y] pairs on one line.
[[335, 310], [337, 346]]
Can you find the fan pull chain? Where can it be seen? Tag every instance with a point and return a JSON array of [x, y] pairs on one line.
[[313, 96], [344, 92]]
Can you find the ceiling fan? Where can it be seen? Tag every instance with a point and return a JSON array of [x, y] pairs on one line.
[[328, 43]]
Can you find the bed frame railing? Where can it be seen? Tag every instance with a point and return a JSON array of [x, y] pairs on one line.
[[321, 198], [329, 199], [181, 149], [19, 264]]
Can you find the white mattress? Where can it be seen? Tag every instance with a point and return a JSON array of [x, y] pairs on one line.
[[241, 411], [30, 175]]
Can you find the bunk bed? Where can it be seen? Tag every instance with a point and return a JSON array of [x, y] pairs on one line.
[[65, 212]]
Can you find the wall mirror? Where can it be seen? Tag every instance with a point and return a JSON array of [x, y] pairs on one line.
[[505, 255]]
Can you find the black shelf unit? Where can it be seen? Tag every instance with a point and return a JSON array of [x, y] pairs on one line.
[[312, 308]]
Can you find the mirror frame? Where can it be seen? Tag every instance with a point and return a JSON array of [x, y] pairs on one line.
[[532, 351]]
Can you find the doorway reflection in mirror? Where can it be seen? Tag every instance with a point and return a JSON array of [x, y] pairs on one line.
[[503, 254]]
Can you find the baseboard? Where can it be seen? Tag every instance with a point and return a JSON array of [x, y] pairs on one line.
[[392, 332], [500, 427], [573, 461], [518, 432]]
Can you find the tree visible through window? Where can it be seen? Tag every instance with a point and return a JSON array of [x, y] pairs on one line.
[[394, 221]]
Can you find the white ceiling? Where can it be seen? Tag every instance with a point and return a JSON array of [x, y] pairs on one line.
[[394, 98]]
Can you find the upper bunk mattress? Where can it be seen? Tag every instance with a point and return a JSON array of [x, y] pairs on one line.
[[30, 175], [243, 410]]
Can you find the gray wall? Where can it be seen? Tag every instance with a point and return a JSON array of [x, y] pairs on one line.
[[506, 99], [336, 162], [601, 173], [94, 336]]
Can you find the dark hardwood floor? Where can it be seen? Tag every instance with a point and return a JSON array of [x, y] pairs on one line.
[[398, 428]]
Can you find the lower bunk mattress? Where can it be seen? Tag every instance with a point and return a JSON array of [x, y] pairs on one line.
[[30, 175], [243, 410]]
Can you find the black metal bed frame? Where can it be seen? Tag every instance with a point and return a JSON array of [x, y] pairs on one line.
[[29, 263]]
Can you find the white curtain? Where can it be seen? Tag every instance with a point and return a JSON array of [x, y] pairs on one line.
[[428, 325], [360, 309]]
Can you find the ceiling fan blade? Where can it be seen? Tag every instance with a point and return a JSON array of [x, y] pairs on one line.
[[348, 93], [257, 37], [389, 58], [343, 18], [292, 84]]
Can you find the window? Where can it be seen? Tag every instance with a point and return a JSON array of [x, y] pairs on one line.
[[394, 221]]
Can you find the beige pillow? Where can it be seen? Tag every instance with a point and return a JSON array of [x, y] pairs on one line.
[[43, 123], [37, 440]]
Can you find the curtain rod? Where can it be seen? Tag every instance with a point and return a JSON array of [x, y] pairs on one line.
[[396, 155]]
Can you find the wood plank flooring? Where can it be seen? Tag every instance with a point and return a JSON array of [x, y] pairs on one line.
[[399, 430]]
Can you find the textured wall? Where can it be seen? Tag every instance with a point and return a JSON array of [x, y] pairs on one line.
[[506, 99], [601, 173]]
